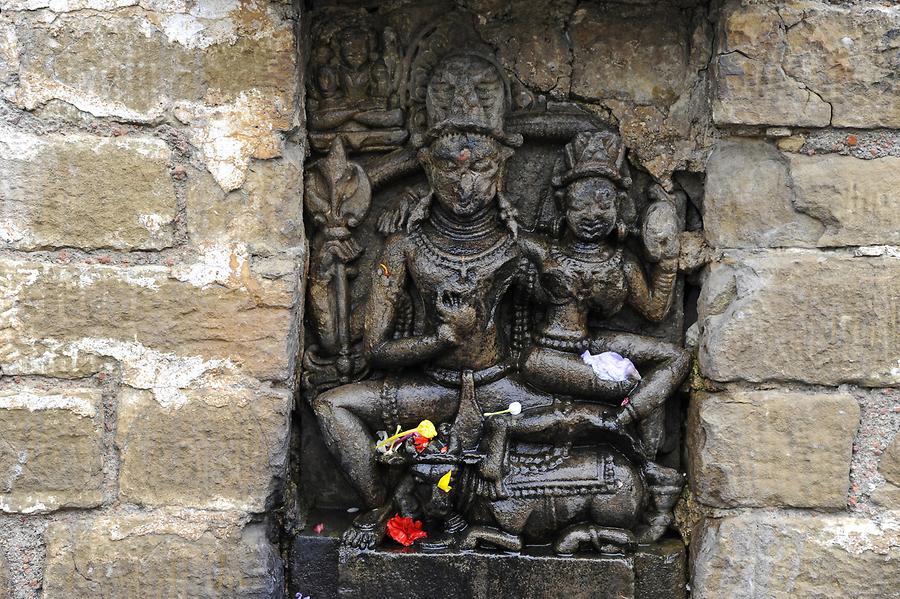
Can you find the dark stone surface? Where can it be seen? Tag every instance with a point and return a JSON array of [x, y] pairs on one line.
[[322, 569], [314, 557], [661, 570], [482, 575], [469, 241]]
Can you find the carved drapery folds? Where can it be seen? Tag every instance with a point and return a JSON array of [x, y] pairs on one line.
[[470, 252]]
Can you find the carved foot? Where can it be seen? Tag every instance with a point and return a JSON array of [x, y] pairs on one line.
[[604, 539], [488, 534], [367, 530], [655, 529]]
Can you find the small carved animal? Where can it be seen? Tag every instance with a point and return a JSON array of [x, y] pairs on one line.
[[590, 494]]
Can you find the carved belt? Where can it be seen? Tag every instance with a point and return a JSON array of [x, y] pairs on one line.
[[453, 378], [563, 345]]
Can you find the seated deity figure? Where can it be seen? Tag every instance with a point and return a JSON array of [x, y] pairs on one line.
[[583, 272], [352, 91], [589, 271], [457, 258]]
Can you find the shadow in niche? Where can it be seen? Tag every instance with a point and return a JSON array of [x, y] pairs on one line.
[[324, 499]]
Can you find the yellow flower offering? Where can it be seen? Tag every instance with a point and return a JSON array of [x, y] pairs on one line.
[[444, 483], [425, 429]]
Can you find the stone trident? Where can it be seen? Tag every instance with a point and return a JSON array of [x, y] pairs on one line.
[[338, 196]]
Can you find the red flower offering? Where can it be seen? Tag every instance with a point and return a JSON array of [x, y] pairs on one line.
[[405, 531], [421, 443]]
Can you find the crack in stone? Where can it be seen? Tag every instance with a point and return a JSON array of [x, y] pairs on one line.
[[570, 45]]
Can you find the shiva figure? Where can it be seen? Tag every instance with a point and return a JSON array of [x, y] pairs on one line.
[[457, 260]]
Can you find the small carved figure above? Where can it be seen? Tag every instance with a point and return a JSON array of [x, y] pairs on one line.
[[353, 90]]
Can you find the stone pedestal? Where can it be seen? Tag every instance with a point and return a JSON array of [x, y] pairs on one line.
[[322, 569]]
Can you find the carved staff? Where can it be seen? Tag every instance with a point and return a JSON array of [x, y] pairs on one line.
[[338, 196]]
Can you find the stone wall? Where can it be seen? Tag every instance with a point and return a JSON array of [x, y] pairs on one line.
[[151, 276], [792, 428]]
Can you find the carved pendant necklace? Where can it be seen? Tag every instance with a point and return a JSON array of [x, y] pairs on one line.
[[461, 264], [586, 265]]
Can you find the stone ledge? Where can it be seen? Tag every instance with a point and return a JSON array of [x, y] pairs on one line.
[[320, 567]]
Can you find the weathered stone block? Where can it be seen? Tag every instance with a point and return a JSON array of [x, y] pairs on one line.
[[846, 56], [531, 42], [217, 448], [889, 466], [887, 495], [771, 448], [226, 71], [749, 81], [758, 196], [648, 45], [168, 332], [85, 191], [138, 66], [777, 555], [9, 59], [265, 214], [160, 554], [51, 454], [807, 64], [803, 316], [647, 66]]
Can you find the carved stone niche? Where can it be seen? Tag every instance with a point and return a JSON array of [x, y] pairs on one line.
[[494, 331]]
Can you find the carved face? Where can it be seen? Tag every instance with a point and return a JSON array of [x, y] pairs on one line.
[[591, 208], [354, 48], [464, 171], [466, 90]]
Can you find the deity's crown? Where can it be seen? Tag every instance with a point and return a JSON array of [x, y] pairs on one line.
[[594, 154], [468, 93]]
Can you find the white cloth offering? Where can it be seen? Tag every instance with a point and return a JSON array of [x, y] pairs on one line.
[[610, 366]]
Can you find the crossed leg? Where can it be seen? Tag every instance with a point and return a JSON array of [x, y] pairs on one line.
[[349, 415]]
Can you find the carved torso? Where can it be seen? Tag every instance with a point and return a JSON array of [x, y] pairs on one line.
[[573, 282], [481, 273], [593, 281]]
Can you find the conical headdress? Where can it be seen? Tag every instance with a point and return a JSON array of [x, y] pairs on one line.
[[594, 154], [467, 93]]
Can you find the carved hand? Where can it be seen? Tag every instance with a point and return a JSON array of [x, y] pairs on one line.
[[459, 318], [392, 220], [338, 251]]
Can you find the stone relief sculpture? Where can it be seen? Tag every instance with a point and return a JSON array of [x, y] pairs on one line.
[[460, 367], [352, 90]]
